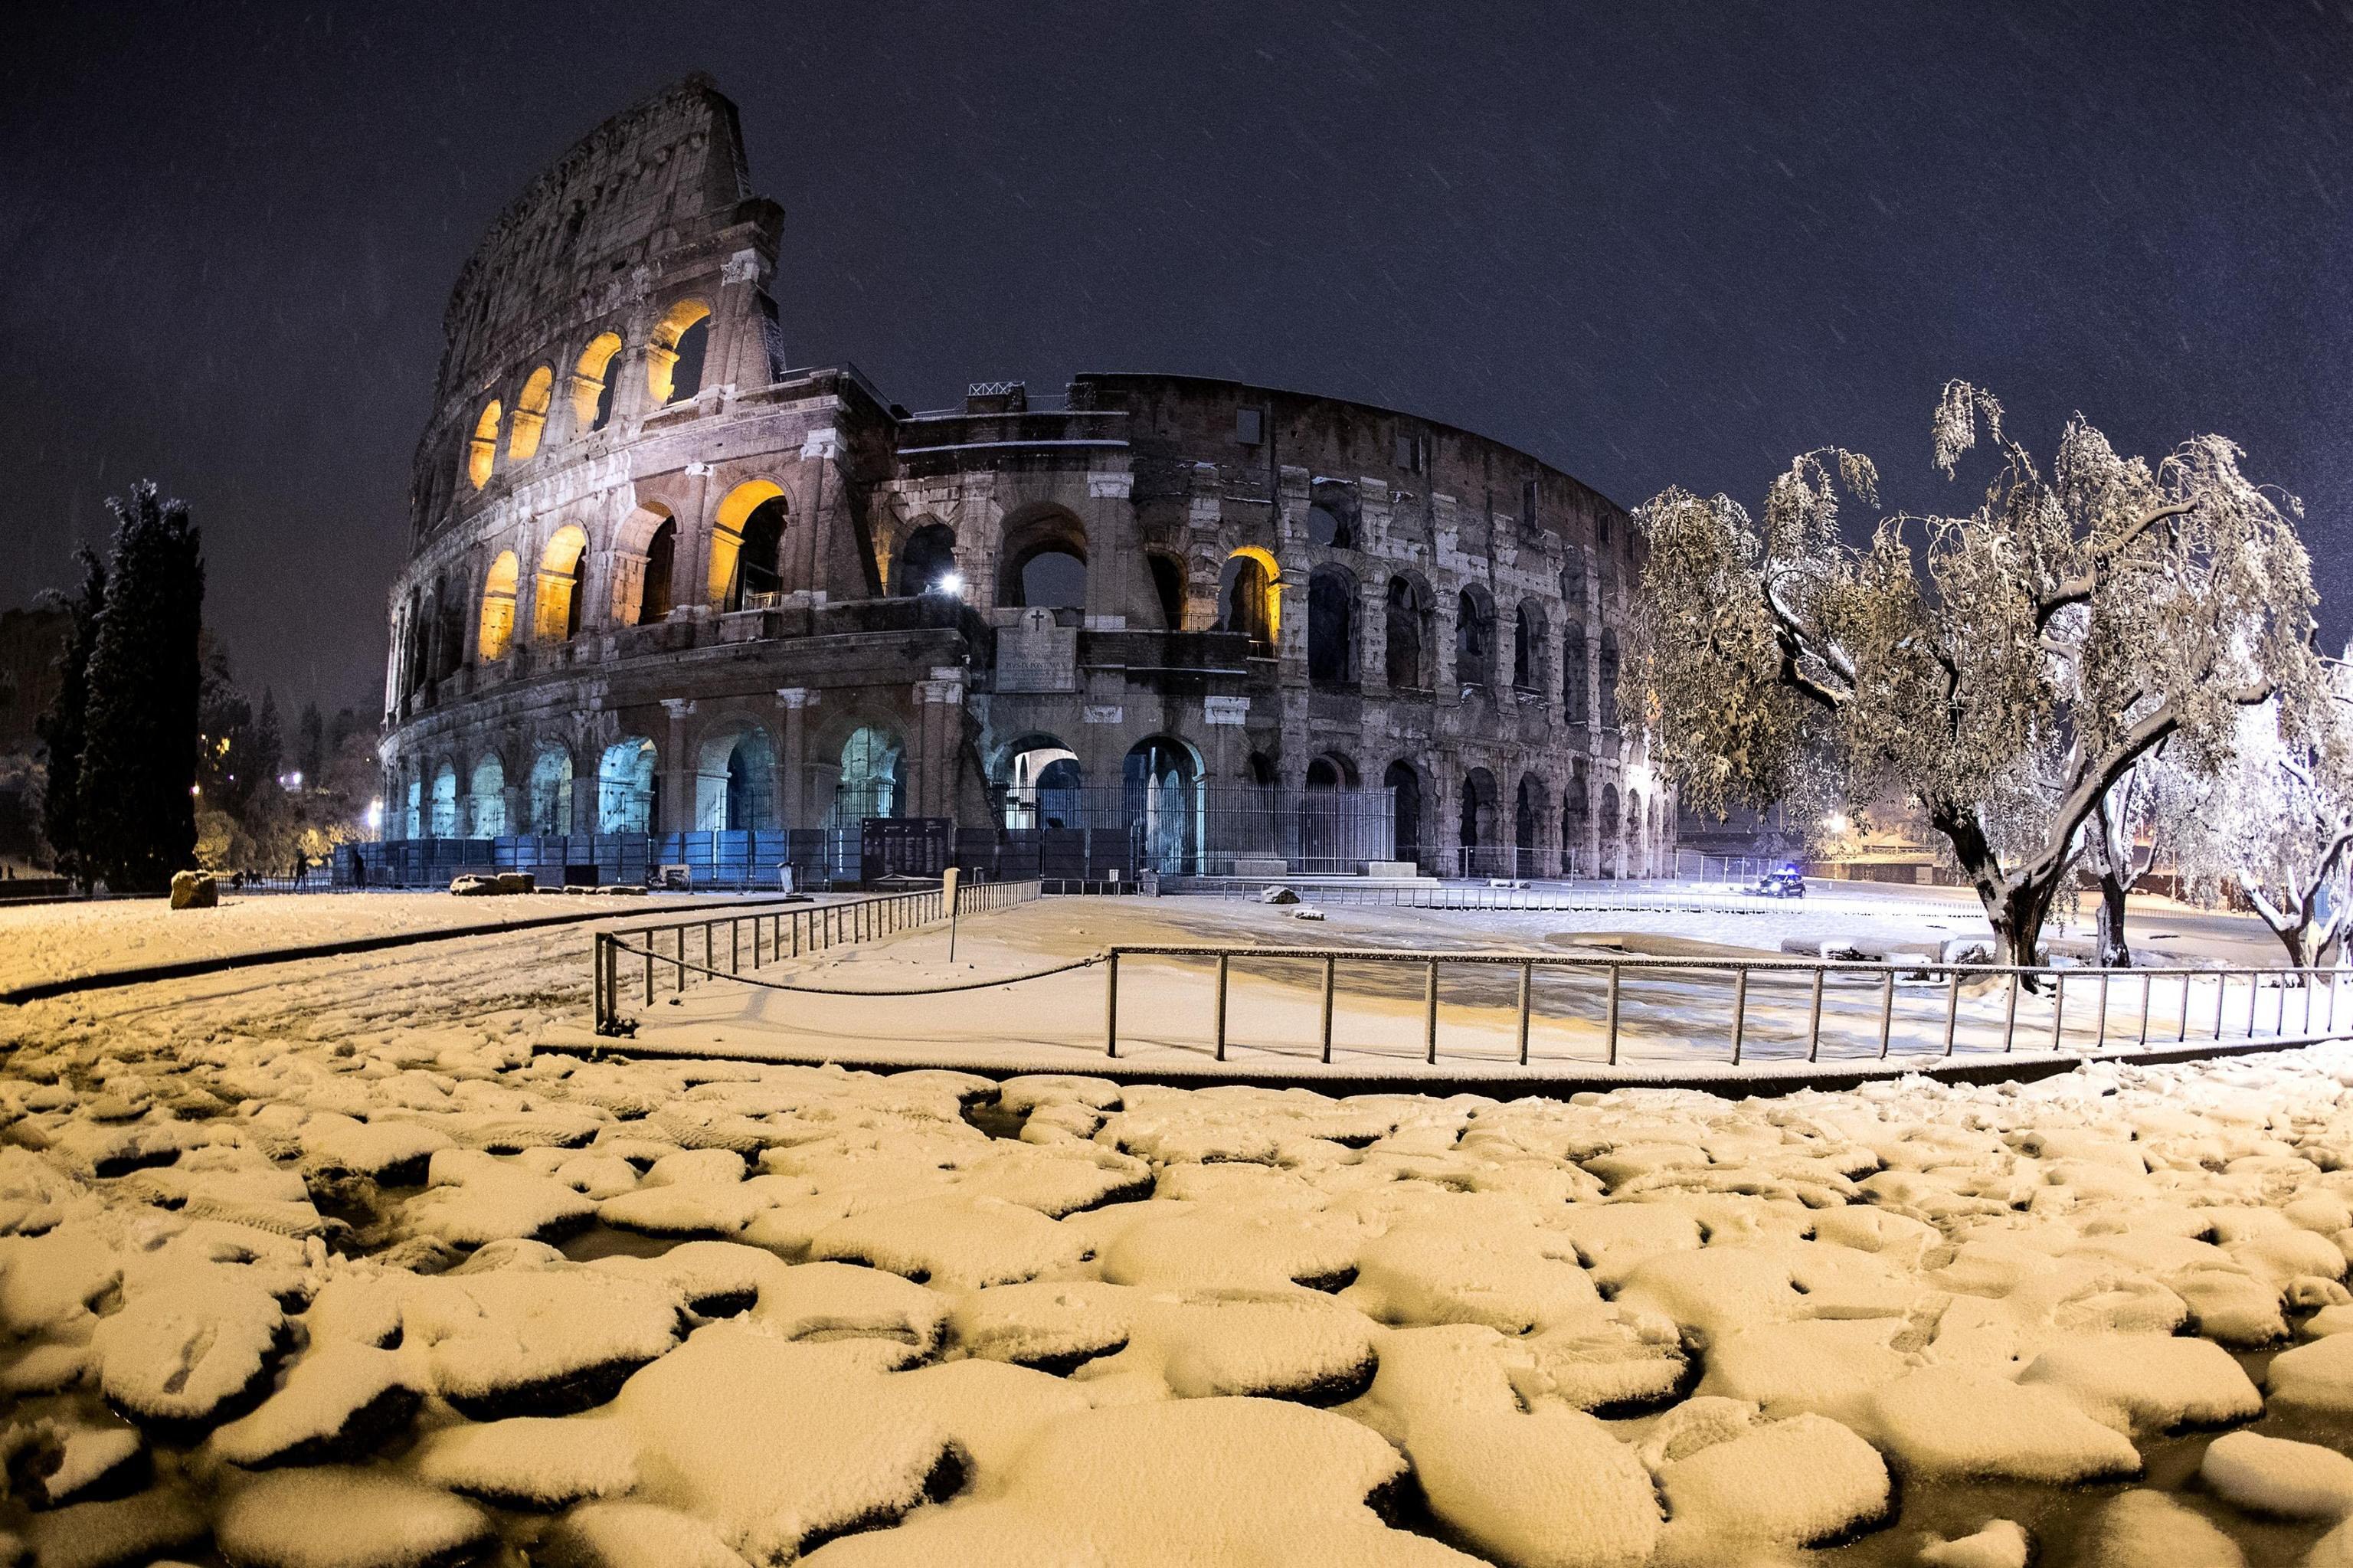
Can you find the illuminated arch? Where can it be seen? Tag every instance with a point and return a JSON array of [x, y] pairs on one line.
[[754, 513], [671, 350], [550, 789], [486, 798], [556, 602], [645, 563], [495, 632], [1249, 601], [625, 787], [482, 452], [592, 386], [529, 414], [735, 780]]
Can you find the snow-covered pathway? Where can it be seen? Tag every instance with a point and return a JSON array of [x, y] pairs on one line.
[[324, 1265]]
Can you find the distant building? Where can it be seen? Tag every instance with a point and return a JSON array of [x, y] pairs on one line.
[[661, 583]]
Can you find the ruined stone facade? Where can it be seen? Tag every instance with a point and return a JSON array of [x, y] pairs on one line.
[[661, 582]]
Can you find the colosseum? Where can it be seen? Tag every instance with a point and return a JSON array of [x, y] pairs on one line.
[[671, 601]]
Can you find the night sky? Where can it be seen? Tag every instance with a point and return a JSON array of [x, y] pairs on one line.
[[1652, 243]]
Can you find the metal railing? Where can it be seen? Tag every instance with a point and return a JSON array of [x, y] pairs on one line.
[[768, 936], [1877, 1003]]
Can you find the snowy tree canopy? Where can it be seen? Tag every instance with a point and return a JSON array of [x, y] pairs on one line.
[[2005, 667]]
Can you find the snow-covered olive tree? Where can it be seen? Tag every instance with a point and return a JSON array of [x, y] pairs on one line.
[[2278, 821], [2005, 668], [2139, 822]]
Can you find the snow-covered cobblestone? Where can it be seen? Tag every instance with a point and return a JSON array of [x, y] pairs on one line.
[[362, 1278]]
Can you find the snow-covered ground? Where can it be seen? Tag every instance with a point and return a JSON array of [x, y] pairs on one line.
[[329, 1266], [1668, 1017]]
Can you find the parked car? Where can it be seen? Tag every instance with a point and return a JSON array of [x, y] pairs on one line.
[[1787, 882]]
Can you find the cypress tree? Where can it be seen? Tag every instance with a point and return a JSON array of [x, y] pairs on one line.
[[310, 744], [268, 742], [64, 727], [138, 759]]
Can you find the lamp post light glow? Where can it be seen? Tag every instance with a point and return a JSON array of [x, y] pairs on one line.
[[950, 584]]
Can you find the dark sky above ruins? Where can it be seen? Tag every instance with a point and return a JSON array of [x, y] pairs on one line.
[[1653, 243]]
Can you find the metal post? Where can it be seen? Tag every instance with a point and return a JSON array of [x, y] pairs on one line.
[[1527, 980], [1952, 1008], [1223, 959], [1429, 1015], [649, 970], [2183, 1032], [1739, 1010], [2058, 1010], [1613, 1015], [1327, 1011], [1111, 1005], [2148, 984], [948, 896], [2101, 1042], [2010, 1017], [1886, 1009], [735, 947], [682, 960], [709, 943], [1814, 1018]]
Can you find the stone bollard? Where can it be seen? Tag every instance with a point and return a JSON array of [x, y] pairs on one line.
[[195, 890]]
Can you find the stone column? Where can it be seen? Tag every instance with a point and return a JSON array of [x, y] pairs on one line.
[[939, 715], [678, 777], [792, 768], [1113, 560]]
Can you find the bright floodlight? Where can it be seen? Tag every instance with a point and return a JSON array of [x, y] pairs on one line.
[[951, 584]]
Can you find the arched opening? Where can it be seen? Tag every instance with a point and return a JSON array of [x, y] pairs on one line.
[[1477, 823], [1528, 813], [1041, 779], [927, 562], [746, 546], [735, 782], [869, 786], [627, 787], [1408, 635], [555, 613], [1163, 780], [1332, 514], [486, 799], [1527, 649], [413, 817], [674, 355], [1167, 588], [530, 414], [1572, 576], [448, 628], [1608, 699], [1404, 783], [444, 823], [1323, 836], [1613, 834], [482, 452], [494, 634], [1475, 638], [1575, 678], [1637, 838], [550, 789], [593, 383], [1575, 820], [1331, 627], [1043, 563], [1247, 602], [654, 591]]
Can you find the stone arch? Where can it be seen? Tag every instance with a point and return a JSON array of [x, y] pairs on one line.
[[1528, 647], [1166, 571], [495, 629], [442, 822], [448, 626], [556, 599], [1613, 834], [645, 567], [1041, 779], [486, 798], [1407, 816], [1637, 838], [1476, 821], [549, 802], [1408, 634], [529, 420], [1531, 806], [1332, 627], [675, 353], [1575, 675], [1608, 698], [1475, 637], [1332, 515], [1164, 801], [1249, 599], [1322, 838], [747, 537], [1576, 817], [1572, 576], [871, 781], [628, 787], [1042, 560], [482, 452], [926, 562], [593, 383], [735, 779]]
